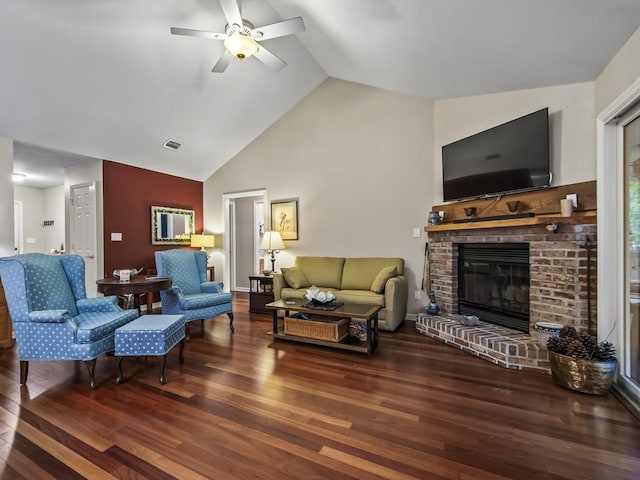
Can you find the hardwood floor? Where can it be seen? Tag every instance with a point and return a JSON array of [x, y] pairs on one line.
[[242, 406]]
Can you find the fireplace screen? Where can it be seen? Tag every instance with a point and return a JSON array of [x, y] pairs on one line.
[[493, 283]]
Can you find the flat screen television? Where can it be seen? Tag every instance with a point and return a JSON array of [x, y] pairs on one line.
[[511, 157]]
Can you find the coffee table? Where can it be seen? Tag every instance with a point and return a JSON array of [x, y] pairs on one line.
[[367, 314]]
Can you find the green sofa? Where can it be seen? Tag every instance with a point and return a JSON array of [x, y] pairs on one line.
[[369, 281]]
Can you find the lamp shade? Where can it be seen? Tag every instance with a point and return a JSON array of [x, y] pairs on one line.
[[271, 241], [203, 241], [241, 46]]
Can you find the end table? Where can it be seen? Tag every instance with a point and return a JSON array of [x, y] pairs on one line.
[[260, 293]]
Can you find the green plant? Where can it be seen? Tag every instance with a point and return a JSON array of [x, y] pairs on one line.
[[574, 345]]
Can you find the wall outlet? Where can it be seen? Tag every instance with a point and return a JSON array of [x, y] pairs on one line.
[[574, 199], [416, 294], [416, 233]]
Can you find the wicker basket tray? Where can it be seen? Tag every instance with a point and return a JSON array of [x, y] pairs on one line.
[[322, 328]]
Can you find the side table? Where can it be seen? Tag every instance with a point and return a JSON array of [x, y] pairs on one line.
[[260, 293], [137, 286]]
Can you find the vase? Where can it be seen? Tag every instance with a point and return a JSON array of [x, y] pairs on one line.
[[433, 308], [587, 376]]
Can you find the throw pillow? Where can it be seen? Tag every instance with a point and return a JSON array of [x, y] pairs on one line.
[[381, 279], [294, 277]]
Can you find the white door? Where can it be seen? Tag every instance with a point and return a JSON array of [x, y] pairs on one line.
[[83, 231]]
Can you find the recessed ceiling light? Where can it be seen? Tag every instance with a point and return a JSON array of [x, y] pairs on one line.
[[172, 144], [18, 177]]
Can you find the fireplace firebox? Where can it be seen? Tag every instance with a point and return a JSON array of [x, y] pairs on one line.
[[493, 283]]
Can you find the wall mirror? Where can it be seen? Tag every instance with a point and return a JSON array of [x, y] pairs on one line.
[[171, 226]]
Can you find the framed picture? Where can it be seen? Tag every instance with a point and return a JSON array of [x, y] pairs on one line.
[[284, 218]]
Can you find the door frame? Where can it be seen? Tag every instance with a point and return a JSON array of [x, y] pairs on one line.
[[228, 202], [612, 297], [18, 227]]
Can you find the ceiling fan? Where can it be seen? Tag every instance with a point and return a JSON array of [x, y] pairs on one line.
[[241, 37]]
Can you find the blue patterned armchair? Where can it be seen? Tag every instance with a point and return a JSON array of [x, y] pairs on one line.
[[191, 294], [52, 317]]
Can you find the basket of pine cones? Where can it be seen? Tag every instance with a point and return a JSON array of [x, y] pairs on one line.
[[579, 363]]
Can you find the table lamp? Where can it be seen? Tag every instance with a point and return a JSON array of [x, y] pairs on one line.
[[272, 243], [203, 241]]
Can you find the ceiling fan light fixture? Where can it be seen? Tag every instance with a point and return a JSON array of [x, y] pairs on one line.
[[241, 46]]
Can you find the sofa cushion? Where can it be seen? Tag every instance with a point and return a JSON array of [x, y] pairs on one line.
[[359, 273], [294, 277], [360, 297], [322, 271], [381, 279], [92, 326]]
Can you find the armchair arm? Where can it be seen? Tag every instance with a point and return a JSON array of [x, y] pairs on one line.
[[49, 316], [173, 291], [212, 287], [98, 304]]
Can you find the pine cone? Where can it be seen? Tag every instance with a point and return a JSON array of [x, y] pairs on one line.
[[576, 350], [589, 344], [568, 331], [605, 352], [554, 344]]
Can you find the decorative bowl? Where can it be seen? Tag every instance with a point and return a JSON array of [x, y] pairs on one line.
[[317, 301], [316, 296]]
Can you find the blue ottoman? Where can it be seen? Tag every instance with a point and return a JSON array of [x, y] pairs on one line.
[[150, 335]]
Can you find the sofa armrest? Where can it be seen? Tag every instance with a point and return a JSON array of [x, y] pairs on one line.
[[396, 292], [278, 284]]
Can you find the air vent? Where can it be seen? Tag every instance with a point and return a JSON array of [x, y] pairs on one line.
[[172, 144]]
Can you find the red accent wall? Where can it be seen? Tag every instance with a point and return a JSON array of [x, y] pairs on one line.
[[128, 195]]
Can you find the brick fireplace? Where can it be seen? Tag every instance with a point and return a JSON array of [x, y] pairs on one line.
[[559, 282]]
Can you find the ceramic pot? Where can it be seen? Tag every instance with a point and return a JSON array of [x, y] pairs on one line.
[[433, 309]]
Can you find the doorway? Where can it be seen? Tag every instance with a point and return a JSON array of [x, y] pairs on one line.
[[244, 223]]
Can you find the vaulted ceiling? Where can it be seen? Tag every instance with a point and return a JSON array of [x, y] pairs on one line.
[[106, 79]]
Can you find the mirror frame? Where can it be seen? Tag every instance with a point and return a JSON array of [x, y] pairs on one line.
[[155, 237]]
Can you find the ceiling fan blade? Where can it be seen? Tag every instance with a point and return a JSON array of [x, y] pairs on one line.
[[279, 29], [269, 59], [231, 11], [223, 62], [197, 33]]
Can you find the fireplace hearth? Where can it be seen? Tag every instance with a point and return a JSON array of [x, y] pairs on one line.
[[493, 283], [549, 267]]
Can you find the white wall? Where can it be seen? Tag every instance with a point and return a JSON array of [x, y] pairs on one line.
[[6, 197], [619, 74], [33, 215], [40, 204], [359, 159], [572, 126], [54, 202]]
